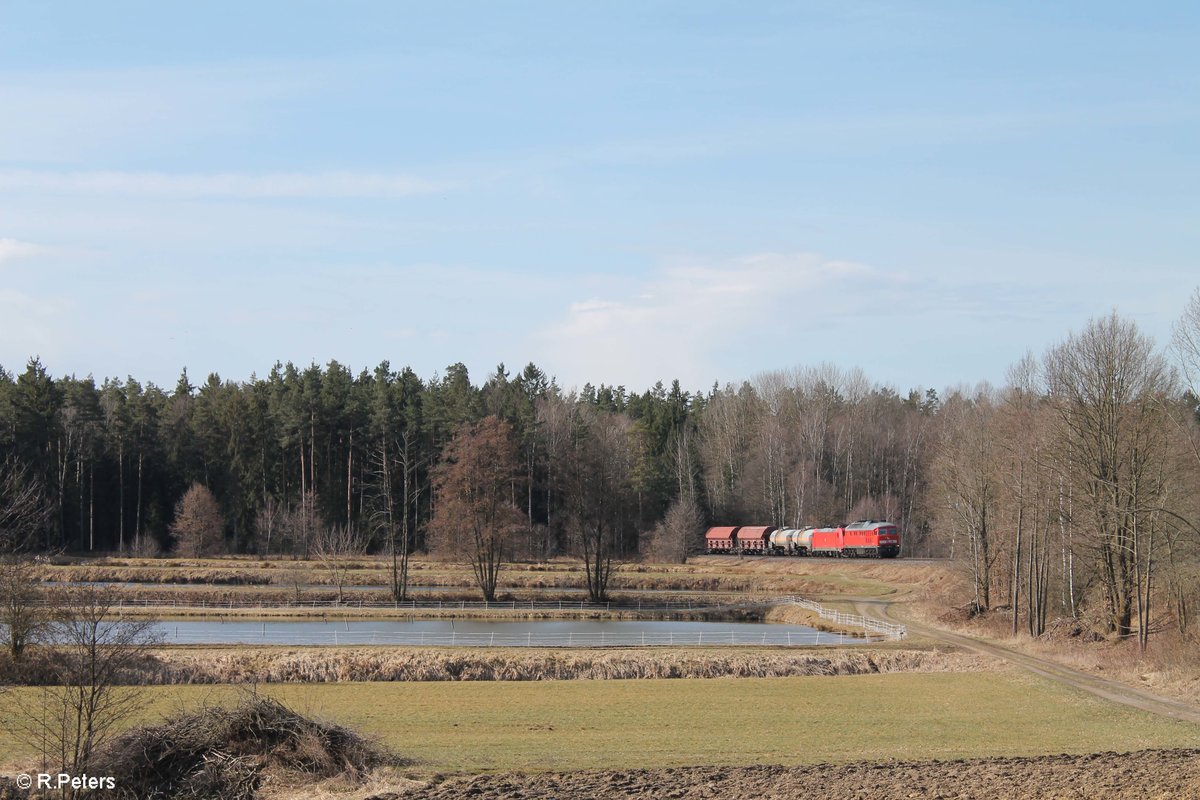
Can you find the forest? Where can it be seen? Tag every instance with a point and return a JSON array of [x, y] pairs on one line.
[[1070, 489]]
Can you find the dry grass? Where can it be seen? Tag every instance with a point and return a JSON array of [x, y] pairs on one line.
[[354, 664], [383, 781], [175, 574], [797, 615], [1170, 667], [814, 577]]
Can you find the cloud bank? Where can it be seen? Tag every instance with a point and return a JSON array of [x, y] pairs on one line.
[[685, 320]]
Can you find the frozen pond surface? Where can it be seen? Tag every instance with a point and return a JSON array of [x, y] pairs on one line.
[[485, 633]]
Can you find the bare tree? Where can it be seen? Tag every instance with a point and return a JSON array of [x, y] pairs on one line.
[[24, 516], [22, 611], [390, 518], [1186, 342], [679, 533], [267, 523], [601, 504], [295, 577], [199, 527], [24, 511], [1028, 485], [556, 419], [1108, 386], [97, 649], [966, 484], [333, 546], [475, 517], [299, 525], [726, 429]]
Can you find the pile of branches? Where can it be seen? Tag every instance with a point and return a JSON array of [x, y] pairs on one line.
[[226, 753]]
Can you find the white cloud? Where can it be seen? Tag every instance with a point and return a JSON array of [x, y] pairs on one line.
[[11, 250], [685, 320], [222, 184]]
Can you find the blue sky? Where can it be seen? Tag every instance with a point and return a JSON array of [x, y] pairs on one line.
[[619, 192]]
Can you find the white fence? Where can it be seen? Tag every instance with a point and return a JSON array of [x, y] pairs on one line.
[[657, 606], [562, 639], [887, 630]]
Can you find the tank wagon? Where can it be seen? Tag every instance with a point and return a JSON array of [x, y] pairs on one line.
[[791, 542], [862, 539]]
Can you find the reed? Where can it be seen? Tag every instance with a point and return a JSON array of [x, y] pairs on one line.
[[338, 665]]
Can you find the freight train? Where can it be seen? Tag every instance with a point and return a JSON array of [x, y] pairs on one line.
[[865, 538]]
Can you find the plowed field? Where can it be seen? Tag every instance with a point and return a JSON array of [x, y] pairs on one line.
[[1144, 775]]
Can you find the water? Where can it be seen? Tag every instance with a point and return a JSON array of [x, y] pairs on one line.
[[484, 633]]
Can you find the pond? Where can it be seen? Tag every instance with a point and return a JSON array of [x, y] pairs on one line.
[[494, 633], [349, 588]]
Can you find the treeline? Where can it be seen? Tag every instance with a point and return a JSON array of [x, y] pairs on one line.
[[362, 450]]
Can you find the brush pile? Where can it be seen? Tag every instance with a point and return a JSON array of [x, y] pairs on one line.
[[226, 753]]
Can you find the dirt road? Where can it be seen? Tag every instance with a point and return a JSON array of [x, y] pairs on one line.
[[1109, 690]]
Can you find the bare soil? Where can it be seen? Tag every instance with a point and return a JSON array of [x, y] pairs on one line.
[[1143, 775]]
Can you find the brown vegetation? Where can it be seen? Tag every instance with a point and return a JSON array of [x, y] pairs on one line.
[[680, 533], [199, 527], [334, 665], [475, 517]]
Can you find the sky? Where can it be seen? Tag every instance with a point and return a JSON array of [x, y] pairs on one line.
[[619, 192]]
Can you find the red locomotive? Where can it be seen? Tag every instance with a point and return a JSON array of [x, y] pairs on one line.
[[865, 538]]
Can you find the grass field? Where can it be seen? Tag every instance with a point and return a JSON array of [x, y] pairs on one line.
[[617, 724]]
